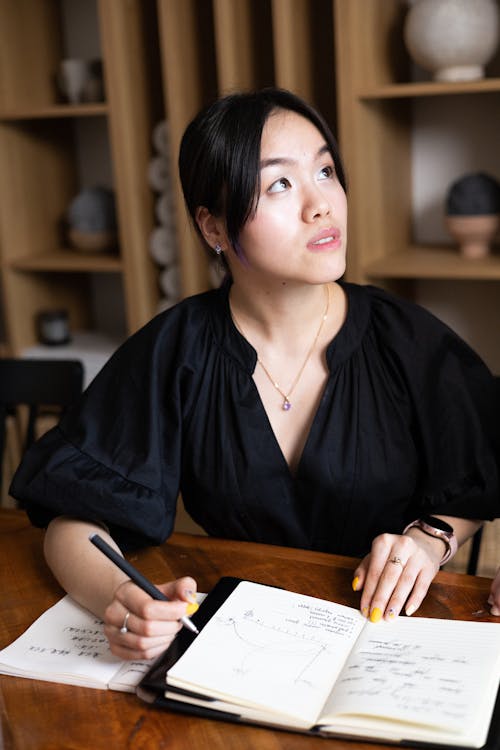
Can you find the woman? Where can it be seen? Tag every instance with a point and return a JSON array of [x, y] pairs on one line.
[[287, 407]]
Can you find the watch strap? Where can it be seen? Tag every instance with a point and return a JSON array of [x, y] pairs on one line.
[[448, 538]]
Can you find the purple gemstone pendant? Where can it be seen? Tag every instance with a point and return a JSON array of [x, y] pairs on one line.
[[286, 406]]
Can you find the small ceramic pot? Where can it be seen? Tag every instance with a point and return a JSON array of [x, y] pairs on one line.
[[472, 212], [92, 242], [53, 327], [474, 234], [91, 219]]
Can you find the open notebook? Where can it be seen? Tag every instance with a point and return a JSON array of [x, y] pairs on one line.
[[274, 657]]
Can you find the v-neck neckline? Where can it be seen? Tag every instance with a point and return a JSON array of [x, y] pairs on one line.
[[245, 354]]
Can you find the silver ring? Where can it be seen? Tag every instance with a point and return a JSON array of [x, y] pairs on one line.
[[396, 561], [124, 628]]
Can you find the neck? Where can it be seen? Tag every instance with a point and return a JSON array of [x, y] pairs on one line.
[[286, 312], [284, 351]]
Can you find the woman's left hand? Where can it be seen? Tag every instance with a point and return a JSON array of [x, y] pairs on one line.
[[396, 574]]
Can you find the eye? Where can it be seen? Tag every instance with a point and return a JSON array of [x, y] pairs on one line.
[[279, 186], [326, 172]]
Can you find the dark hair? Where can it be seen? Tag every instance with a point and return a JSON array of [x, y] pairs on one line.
[[220, 153]]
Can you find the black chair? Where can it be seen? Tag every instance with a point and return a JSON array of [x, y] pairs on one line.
[[36, 384], [477, 538], [474, 552]]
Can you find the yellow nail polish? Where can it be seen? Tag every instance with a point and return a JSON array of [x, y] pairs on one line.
[[192, 608], [391, 614], [376, 614], [364, 611], [355, 583]]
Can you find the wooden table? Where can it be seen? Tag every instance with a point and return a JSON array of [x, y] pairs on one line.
[[39, 715]]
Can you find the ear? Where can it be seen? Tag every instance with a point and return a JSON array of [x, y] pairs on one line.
[[212, 228]]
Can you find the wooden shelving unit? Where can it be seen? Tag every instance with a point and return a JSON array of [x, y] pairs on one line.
[[167, 58], [375, 98], [39, 167]]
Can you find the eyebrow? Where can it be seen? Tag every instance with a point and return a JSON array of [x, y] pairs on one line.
[[273, 161]]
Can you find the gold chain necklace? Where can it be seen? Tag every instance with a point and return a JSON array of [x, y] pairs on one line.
[[287, 404]]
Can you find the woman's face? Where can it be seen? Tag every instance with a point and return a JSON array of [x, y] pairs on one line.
[[299, 230]]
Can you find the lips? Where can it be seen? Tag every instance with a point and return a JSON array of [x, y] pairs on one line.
[[326, 239]]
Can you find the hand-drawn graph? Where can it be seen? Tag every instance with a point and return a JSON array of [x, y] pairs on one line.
[[254, 634], [294, 643]]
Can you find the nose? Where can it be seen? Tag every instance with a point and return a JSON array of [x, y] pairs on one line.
[[316, 203]]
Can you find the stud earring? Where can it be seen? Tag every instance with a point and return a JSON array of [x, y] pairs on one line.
[[218, 249]]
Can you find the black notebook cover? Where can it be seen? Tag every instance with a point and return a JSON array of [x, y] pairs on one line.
[[154, 680], [153, 685]]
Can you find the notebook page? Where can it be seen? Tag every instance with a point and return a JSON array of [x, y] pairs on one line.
[[426, 671], [270, 648], [65, 644]]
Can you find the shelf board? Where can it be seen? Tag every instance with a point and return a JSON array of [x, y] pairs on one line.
[[55, 111], [430, 88], [425, 262], [69, 261]]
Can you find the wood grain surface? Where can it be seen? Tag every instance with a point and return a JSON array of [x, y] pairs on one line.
[[38, 715]]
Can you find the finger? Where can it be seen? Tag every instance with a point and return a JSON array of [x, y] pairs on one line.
[[132, 646], [359, 575], [134, 640], [164, 627], [137, 624], [129, 597], [376, 561], [393, 586], [410, 590], [183, 588]]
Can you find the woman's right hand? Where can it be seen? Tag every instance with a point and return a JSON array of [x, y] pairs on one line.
[[151, 625]]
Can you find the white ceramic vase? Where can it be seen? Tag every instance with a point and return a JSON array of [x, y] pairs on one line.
[[453, 39], [72, 78]]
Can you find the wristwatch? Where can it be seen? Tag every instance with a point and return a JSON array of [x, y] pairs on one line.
[[436, 527]]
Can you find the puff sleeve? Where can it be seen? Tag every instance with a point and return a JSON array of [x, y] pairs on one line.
[[454, 406], [115, 457]]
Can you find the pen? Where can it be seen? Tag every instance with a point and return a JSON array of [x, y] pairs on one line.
[[136, 576]]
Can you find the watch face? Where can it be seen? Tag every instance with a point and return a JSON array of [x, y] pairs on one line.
[[438, 523]]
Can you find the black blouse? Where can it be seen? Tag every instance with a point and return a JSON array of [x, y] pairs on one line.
[[402, 427]]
